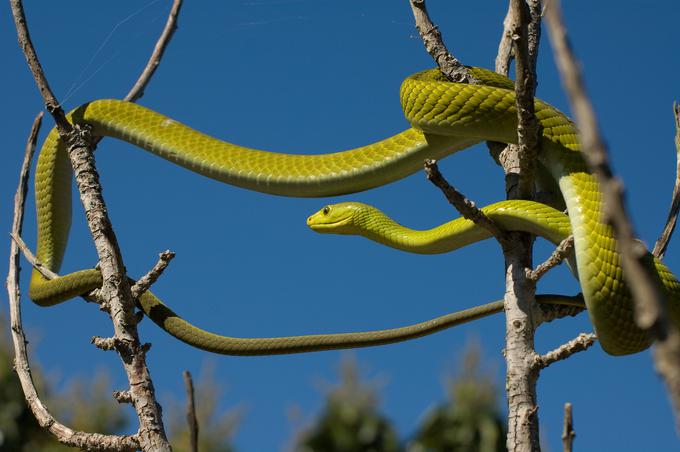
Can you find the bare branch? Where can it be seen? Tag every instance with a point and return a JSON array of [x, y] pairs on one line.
[[191, 411], [137, 90], [122, 396], [146, 281], [104, 343], [45, 419], [525, 89], [568, 433], [641, 282], [522, 27], [582, 342], [434, 44], [555, 259], [505, 46], [26, 45], [115, 291], [30, 257], [466, 207], [549, 312], [649, 298], [662, 242]]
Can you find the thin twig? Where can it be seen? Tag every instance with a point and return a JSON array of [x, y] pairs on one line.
[[46, 272], [466, 207], [549, 312], [192, 420], [434, 44], [30, 257], [582, 342], [568, 433], [146, 281], [548, 309], [662, 242], [137, 90], [45, 419], [505, 45], [558, 255], [24, 37]]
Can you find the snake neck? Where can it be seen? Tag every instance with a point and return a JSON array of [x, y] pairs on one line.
[[516, 215]]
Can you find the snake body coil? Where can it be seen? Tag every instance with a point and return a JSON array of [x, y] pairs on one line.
[[446, 117]]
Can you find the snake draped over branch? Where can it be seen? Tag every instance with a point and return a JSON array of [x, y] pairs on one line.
[[446, 117]]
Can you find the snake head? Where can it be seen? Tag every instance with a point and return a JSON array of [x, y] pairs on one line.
[[338, 218]]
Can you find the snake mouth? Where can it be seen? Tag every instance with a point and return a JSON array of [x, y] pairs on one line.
[[327, 226]]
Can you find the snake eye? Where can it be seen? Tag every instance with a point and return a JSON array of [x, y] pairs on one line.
[[326, 210]]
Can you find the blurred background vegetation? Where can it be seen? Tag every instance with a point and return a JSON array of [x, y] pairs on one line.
[[350, 420]]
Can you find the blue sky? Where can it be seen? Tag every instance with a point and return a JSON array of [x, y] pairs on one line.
[[318, 76]]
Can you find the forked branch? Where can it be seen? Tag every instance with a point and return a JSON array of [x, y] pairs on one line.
[[115, 291]]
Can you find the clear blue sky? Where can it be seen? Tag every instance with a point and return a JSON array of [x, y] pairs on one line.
[[317, 76]]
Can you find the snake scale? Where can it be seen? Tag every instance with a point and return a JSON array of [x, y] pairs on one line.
[[446, 117]]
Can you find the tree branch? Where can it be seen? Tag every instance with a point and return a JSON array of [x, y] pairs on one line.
[[555, 259], [522, 26], [191, 411], [137, 90], [434, 44], [662, 242], [146, 281], [568, 433], [506, 53], [466, 207], [648, 295], [115, 291], [24, 37], [582, 342], [45, 419]]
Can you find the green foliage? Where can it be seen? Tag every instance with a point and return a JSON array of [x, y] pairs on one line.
[[350, 422], [215, 429], [470, 421]]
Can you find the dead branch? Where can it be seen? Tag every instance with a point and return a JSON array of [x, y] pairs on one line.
[[505, 53], [137, 90], [115, 290], [518, 165], [45, 419], [146, 281], [555, 259], [582, 342], [525, 89], [662, 242], [434, 44], [191, 411], [568, 433], [30, 257], [648, 295], [466, 207]]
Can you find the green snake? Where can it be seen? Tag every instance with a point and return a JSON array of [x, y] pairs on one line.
[[445, 117]]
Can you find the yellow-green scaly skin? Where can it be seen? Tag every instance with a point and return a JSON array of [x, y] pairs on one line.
[[446, 117]]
